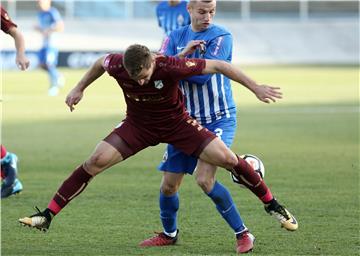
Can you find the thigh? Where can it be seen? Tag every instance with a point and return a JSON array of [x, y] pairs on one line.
[[190, 137], [217, 153], [52, 56], [129, 139]]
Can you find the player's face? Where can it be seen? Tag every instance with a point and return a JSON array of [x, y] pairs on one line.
[[201, 14], [145, 75], [44, 5]]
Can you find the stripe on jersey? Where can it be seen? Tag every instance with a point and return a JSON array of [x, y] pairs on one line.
[[208, 102]]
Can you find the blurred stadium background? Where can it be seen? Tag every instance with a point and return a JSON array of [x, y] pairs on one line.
[[266, 32]]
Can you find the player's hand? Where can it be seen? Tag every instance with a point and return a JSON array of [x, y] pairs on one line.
[[22, 62], [267, 93], [73, 98], [192, 46]]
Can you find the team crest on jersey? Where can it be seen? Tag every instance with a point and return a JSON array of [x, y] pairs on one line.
[[180, 20], [190, 63], [158, 84]]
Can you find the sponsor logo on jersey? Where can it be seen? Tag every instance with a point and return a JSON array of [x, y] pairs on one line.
[[190, 63], [158, 84]]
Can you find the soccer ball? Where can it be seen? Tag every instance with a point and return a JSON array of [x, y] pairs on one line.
[[255, 163]]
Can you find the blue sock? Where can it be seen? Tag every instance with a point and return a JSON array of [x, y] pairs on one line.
[[168, 211], [226, 207], [54, 75]]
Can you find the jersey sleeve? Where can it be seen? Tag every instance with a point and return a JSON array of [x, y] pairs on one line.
[[6, 22], [183, 68], [112, 64], [168, 47], [56, 15], [220, 48]]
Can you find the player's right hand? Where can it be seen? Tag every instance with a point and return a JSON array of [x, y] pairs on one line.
[[192, 46], [73, 98]]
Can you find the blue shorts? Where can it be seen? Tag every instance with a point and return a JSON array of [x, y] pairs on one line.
[[48, 56], [176, 161]]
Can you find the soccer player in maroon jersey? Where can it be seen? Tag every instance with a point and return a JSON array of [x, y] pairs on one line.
[[155, 114], [10, 184], [9, 27]]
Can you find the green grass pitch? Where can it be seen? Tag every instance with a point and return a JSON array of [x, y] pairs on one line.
[[309, 143]]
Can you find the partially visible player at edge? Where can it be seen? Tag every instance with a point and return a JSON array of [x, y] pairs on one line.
[[171, 15], [10, 184], [209, 100], [155, 114], [10, 28]]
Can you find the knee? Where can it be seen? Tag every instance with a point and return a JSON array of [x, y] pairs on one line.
[[206, 183], [168, 188], [96, 163], [229, 160]]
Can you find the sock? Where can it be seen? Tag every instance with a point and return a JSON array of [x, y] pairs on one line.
[[226, 207], [168, 212], [71, 188], [3, 152], [246, 174], [54, 75]]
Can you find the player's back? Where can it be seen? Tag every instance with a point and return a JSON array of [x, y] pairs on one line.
[[172, 17], [209, 97]]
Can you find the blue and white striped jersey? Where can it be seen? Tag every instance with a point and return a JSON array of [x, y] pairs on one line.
[[208, 97], [172, 17], [48, 19]]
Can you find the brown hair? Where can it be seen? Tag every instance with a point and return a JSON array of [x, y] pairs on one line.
[[136, 57]]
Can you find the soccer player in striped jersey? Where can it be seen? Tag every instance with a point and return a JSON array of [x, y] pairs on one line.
[[209, 100], [50, 22], [172, 15]]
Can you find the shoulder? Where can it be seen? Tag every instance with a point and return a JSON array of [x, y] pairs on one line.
[[54, 11], [217, 30], [161, 6], [113, 61]]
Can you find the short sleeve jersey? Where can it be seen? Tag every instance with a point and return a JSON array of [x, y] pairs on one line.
[[6, 22], [160, 100], [48, 19]]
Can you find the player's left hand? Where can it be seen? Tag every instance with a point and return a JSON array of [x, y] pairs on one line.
[[73, 98], [267, 93]]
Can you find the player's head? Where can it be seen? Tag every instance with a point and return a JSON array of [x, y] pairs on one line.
[[44, 5], [174, 2], [139, 62], [201, 13]]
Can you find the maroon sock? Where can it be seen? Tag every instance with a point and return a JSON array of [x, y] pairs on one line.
[[71, 188], [248, 177]]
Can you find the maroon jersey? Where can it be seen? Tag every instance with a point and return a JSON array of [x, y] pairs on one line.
[[6, 22], [159, 102]]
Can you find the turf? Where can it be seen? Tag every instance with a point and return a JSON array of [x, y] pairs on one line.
[[309, 143]]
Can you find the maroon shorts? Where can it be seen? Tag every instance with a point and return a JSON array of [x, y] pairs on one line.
[[186, 135]]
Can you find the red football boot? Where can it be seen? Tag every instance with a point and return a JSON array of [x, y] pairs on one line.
[[245, 242], [161, 239]]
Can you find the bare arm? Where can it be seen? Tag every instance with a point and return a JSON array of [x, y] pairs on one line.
[[21, 60], [264, 93], [76, 94]]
